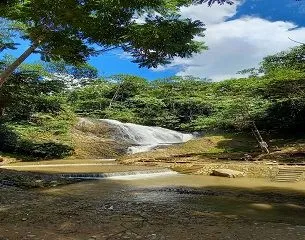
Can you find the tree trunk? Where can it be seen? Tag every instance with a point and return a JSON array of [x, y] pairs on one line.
[[114, 96], [260, 140], [10, 69]]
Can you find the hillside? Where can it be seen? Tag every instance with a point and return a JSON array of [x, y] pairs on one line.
[[40, 116], [60, 137]]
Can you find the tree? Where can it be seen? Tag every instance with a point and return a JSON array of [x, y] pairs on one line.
[[26, 94], [293, 59], [67, 29], [127, 86], [6, 35], [78, 72]]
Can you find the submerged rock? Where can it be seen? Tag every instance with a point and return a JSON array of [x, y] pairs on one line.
[[228, 173]]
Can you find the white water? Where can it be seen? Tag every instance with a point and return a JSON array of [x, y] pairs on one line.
[[145, 138], [144, 176], [130, 175]]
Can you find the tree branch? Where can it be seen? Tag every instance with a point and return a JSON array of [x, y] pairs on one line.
[[296, 41]]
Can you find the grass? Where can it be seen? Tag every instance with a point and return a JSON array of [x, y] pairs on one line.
[[211, 147], [44, 137], [225, 147], [287, 149], [46, 128]]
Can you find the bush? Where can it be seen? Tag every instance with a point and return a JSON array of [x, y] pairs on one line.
[[10, 142], [48, 150]]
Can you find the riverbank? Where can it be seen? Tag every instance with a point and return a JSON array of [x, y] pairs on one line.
[[199, 156], [226, 151]]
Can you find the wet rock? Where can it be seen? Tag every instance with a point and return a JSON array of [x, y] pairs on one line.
[[227, 173], [261, 206], [247, 157], [31, 235]]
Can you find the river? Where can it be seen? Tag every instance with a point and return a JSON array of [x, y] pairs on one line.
[[167, 207]]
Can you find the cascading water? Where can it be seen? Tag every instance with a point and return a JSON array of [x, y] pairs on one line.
[[145, 138]]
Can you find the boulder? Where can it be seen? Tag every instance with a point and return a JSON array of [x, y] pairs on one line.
[[227, 173]]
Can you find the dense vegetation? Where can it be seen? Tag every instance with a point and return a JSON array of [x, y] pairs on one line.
[[40, 103], [35, 119], [275, 102]]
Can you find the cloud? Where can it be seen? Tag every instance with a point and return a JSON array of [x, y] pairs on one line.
[[235, 44], [210, 15]]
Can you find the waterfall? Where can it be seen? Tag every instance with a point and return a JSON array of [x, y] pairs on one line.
[[146, 138]]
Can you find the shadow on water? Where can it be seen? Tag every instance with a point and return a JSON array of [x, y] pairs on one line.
[[264, 201], [264, 204]]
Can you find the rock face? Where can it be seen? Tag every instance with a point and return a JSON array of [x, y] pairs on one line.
[[227, 173]]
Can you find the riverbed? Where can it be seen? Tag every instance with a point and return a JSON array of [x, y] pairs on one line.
[[164, 207]]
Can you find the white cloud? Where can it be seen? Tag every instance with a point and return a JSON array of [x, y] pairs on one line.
[[209, 15], [236, 44]]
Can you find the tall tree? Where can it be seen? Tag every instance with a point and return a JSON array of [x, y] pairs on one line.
[[67, 29]]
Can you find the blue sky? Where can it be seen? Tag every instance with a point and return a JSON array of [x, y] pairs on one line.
[[274, 10], [238, 36]]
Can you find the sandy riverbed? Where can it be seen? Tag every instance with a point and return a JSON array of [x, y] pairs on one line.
[[173, 207]]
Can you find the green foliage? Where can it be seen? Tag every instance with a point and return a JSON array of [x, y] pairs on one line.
[[168, 38], [15, 139], [6, 36], [37, 113], [274, 102], [35, 118], [26, 94], [79, 71], [127, 86], [67, 29], [120, 113], [292, 59]]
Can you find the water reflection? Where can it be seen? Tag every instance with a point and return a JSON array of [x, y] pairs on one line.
[[258, 199]]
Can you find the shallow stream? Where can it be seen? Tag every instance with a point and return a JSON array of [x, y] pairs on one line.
[[170, 207], [242, 197]]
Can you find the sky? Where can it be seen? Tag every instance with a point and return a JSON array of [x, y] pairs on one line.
[[238, 37]]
